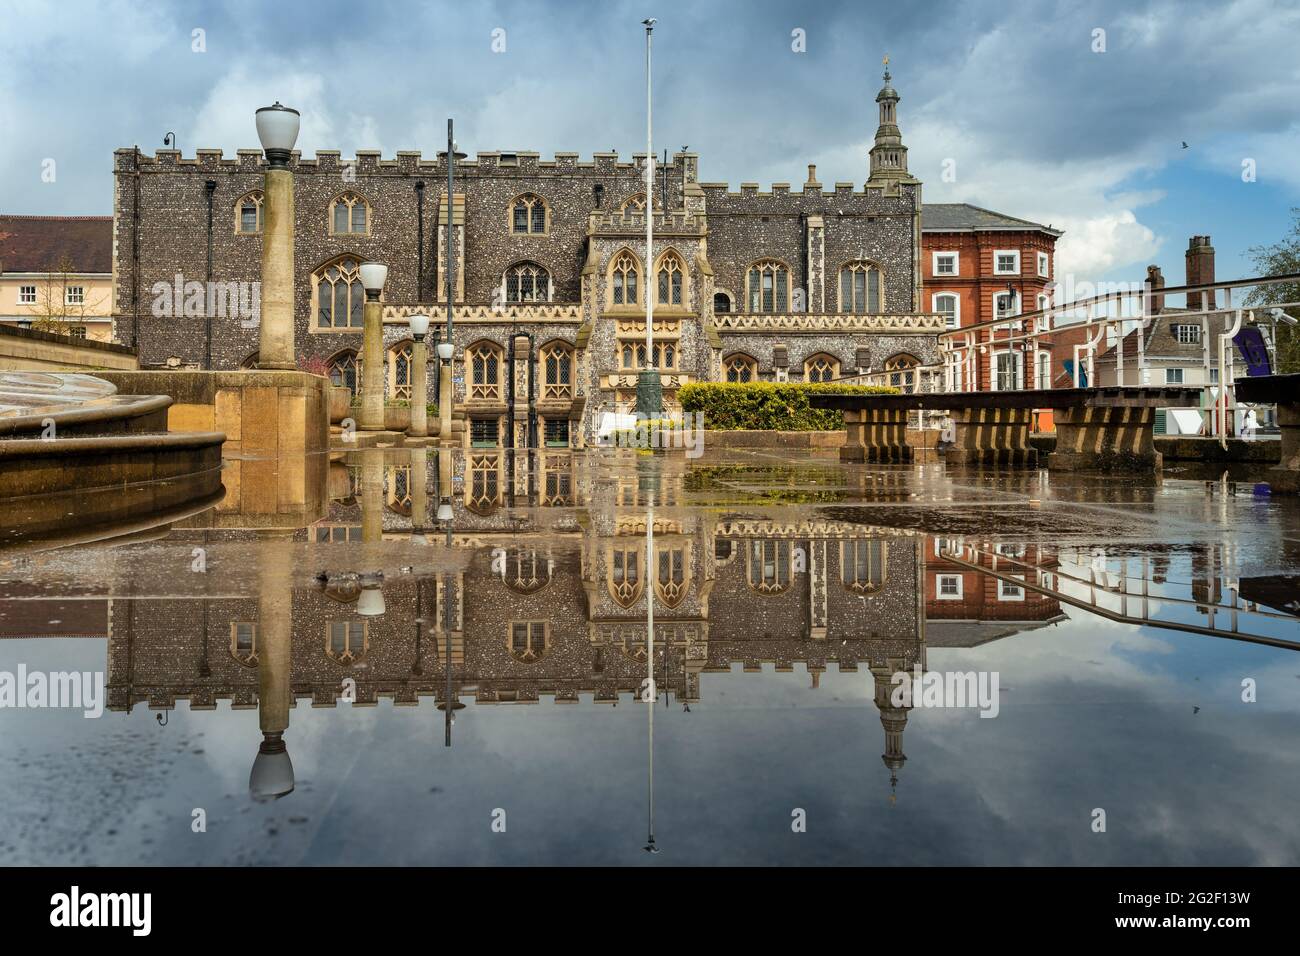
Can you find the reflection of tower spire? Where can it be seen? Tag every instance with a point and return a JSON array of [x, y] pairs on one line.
[[894, 720]]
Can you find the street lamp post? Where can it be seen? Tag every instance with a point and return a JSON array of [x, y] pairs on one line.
[[277, 128], [447, 348], [373, 277], [419, 376], [649, 386]]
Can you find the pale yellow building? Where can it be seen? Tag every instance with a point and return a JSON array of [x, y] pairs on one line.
[[56, 274]]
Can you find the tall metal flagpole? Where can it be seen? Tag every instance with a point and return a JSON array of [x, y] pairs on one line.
[[649, 387]]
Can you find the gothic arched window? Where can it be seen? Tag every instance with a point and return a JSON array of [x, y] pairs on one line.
[[860, 287], [484, 360], [528, 215], [670, 280], [339, 295], [349, 216], [768, 286], [740, 368], [557, 371], [399, 371], [345, 370], [863, 564], [768, 570], [625, 579], [821, 368], [624, 278], [527, 282], [671, 582], [902, 372], [248, 213]]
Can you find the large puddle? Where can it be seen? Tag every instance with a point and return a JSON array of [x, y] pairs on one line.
[[1126, 646]]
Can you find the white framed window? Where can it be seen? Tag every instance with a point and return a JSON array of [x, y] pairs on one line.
[[1043, 377], [1006, 262], [945, 263], [1214, 376], [1008, 371], [74, 295], [1009, 549], [27, 295], [1188, 334], [947, 587], [77, 332], [948, 304], [1010, 591], [1044, 264], [1173, 376], [1043, 301]]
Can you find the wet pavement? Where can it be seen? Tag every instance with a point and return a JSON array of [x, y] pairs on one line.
[[1134, 640]]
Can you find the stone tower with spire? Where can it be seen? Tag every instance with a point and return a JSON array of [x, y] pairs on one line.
[[888, 155]]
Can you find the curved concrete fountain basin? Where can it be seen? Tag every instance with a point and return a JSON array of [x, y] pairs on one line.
[[74, 404], [52, 486]]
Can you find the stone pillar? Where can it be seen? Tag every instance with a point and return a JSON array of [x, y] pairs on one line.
[[420, 389], [275, 345], [419, 486], [445, 399], [372, 495], [816, 264], [876, 434], [372, 367], [523, 399], [1107, 439], [1285, 478], [993, 436]]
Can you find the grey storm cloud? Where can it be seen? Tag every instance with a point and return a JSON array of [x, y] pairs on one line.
[[1014, 94]]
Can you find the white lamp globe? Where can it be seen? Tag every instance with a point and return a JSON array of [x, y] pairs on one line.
[[373, 276], [419, 323], [277, 128], [371, 602], [445, 350]]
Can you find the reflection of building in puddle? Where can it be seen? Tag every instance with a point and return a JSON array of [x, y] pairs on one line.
[[967, 606], [543, 616]]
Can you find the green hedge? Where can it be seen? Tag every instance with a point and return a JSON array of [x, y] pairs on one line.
[[768, 406]]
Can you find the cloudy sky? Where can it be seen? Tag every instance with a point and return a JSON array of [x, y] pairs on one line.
[[1037, 123]]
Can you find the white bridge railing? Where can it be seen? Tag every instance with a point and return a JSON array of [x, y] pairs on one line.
[[1103, 329]]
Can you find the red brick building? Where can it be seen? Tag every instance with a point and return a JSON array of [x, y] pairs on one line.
[[978, 265]]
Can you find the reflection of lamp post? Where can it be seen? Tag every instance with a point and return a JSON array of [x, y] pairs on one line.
[[649, 386], [419, 376], [370, 603], [373, 276], [272, 773], [277, 128]]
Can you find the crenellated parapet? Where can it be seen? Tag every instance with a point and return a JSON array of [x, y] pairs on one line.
[[803, 323]]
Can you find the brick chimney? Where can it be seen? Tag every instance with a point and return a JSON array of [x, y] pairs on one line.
[[1155, 281], [1200, 271]]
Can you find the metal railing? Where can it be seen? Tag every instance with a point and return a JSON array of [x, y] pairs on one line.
[[1023, 336]]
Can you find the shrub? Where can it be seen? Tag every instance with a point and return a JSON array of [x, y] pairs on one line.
[[313, 365], [768, 406]]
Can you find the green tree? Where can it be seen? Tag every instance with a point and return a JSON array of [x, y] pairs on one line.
[[1280, 258]]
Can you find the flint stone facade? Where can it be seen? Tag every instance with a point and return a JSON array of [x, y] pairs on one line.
[[177, 222]]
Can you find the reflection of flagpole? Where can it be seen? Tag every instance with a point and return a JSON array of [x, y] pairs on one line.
[[650, 662]]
